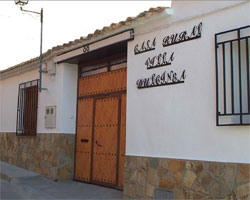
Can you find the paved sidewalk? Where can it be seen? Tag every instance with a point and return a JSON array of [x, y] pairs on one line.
[[18, 183]]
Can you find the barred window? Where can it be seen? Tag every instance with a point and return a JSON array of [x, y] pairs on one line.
[[232, 77], [27, 108]]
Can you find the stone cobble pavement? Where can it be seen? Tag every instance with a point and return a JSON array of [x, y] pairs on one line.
[[14, 185]]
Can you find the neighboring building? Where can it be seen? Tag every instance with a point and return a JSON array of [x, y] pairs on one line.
[[158, 105]]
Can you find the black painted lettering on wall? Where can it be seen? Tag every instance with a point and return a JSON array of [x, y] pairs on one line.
[[148, 45], [166, 78], [183, 36], [164, 59], [159, 61]]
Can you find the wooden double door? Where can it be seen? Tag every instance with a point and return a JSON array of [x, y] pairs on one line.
[[101, 122]]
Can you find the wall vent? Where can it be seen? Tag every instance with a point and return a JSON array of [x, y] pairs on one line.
[[164, 194]]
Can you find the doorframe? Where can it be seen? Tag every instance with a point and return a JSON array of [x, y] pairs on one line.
[[96, 97], [78, 76]]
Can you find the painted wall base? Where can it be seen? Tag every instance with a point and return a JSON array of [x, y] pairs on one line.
[[51, 155], [187, 179]]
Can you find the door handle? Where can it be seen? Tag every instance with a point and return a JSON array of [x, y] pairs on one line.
[[99, 145], [84, 140]]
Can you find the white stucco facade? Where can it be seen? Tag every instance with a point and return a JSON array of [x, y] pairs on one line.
[[62, 91], [179, 121], [174, 121], [9, 96]]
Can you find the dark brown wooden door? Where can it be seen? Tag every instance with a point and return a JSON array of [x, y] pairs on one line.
[[101, 122], [30, 110]]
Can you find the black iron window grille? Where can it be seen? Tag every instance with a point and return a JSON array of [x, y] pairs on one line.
[[27, 108], [232, 77]]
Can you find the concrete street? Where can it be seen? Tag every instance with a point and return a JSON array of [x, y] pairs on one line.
[[17, 183]]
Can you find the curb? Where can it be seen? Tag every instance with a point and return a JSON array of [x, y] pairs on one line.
[[5, 177]]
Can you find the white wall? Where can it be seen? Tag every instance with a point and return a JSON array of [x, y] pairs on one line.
[[1, 96], [69, 96], [179, 121], [59, 86], [9, 96]]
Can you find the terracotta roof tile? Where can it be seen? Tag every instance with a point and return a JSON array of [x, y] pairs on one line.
[[104, 30]]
